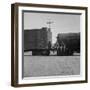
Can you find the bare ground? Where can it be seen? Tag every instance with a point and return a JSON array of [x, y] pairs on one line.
[[35, 66]]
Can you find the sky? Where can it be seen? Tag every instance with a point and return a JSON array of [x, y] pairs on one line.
[[62, 23]]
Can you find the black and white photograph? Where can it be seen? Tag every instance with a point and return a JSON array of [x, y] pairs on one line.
[[49, 44]]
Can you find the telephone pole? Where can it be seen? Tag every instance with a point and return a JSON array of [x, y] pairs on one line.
[[49, 24]]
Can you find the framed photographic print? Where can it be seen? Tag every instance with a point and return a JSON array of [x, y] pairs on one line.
[[48, 44]]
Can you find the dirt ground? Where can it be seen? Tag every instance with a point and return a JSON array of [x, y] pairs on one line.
[[35, 66]]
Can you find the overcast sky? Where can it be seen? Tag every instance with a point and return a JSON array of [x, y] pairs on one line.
[[62, 23]]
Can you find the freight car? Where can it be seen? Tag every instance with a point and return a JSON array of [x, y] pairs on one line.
[[68, 43], [38, 41]]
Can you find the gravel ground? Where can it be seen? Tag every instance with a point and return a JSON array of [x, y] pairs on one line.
[[35, 66]]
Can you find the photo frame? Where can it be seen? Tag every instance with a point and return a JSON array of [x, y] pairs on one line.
[[48, 44]]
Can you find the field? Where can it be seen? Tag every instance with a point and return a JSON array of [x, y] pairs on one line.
[[35, 66]]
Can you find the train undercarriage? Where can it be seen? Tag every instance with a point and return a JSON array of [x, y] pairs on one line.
[[47, 52]]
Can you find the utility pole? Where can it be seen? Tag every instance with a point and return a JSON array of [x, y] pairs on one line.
[[49, 24]]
